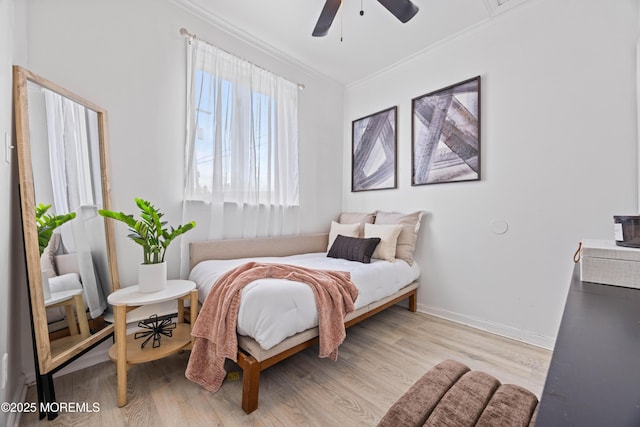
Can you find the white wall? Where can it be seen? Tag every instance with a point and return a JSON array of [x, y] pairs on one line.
[[6, 55], [129, 58], [559, 158], [13, 308], [559, 150]]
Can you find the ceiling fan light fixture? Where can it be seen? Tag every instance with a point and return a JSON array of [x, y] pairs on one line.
[[404, 10], [325, 20]]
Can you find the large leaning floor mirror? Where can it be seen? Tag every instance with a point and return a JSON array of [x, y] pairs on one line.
[[69, 248]]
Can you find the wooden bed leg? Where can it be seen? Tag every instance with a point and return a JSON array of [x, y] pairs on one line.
[[413, 302], [250, 382]]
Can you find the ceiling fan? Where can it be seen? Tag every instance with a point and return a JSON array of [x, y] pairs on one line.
[[404, 10]]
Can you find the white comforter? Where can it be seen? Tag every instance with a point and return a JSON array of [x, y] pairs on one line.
[[274, 309]]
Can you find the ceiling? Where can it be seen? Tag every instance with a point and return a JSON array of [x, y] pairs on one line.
[[356, 46]]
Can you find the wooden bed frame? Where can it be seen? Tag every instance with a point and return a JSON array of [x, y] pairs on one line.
[[252, 359]]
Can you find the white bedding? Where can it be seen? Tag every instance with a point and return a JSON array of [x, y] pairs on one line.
[[274, 309]]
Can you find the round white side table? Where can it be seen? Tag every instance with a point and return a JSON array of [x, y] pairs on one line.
[[127, 350]]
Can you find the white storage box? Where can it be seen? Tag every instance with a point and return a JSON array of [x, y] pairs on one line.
[[602, 261]]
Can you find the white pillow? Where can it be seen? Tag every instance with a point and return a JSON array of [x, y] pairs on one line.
[[66, 282], [406, 244], [353, 217], [388, 235], [348, 230]]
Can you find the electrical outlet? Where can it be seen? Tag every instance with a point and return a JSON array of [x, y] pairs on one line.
[[7, 147], [5, 371]]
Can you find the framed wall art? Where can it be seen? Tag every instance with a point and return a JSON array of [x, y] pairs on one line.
[[374, 151], [446, 134]]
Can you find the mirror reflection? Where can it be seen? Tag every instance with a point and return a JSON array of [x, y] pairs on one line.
[[66, 174], [64, 181]]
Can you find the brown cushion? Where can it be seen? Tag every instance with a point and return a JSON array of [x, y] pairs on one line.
[[511, 405], [413, 408], [464, 402], [532, 423], [452, 395]]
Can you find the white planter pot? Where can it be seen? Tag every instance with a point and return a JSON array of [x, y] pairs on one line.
[[152, 277]]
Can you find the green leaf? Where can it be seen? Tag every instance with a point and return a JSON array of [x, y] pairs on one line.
[[149, 231], [47, 223]]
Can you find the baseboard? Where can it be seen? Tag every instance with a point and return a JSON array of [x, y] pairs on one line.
[[101, 352], [30, 377], [492, 327], [97, 355], [13, 418]]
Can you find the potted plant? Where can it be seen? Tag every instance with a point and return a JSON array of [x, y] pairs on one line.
[[151, 233], [46, 223]]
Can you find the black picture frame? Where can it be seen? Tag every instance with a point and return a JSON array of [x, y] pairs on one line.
[[445, 132], [374, 151]]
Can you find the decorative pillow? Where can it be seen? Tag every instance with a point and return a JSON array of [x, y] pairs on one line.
[[67, 263], [360, 218], [406, 244], [349, 230], [65, 282], [388, 235], [353, 248], [47, 259]]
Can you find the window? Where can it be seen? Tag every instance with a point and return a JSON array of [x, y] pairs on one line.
[[243, 132]]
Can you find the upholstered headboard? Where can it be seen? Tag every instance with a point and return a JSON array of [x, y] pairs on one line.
[[258, 247]]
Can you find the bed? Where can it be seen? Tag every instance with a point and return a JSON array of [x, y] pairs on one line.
[[257, 349]]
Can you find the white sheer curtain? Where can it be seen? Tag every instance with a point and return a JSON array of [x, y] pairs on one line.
[[72, 131], [69, 156], [241, 172]]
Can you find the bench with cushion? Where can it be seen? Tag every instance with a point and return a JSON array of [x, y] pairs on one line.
[[451, 394]]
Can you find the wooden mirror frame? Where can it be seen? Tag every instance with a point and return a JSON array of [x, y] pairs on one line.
[[46, 360]]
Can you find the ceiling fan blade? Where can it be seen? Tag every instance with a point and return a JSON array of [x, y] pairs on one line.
[[326, 18], [404, 10]]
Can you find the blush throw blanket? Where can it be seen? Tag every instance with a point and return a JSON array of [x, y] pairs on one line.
[[215, 327]]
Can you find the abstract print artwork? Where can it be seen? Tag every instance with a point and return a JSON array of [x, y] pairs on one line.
[[374, 151], [446, 134]]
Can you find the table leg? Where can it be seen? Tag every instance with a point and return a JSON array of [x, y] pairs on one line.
[[194, 312], [181, 318], [82, 316], [71, 319], [120, 332]]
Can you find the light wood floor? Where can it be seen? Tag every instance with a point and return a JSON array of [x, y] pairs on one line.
[[378, 362]]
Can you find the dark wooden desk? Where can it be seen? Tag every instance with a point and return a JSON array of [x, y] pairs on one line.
[[594, 375]]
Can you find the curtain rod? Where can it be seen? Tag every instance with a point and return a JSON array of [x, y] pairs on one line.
[[185, 33]]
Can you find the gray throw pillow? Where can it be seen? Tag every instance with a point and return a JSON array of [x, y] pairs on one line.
[[353, 248]]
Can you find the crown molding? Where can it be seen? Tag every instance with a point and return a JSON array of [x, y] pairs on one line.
[[244, 36], [495, 7]]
